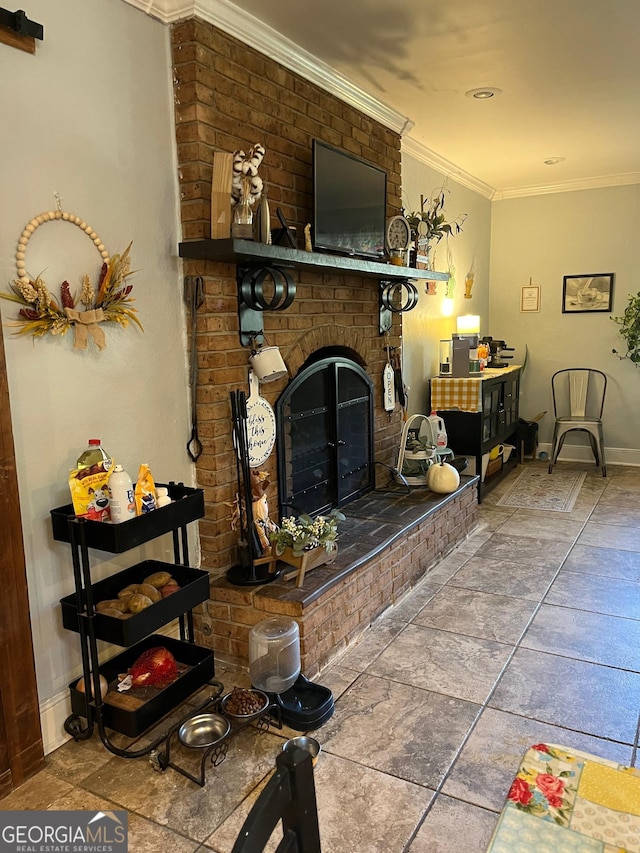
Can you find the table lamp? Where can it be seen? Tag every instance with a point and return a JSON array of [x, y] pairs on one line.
[[468, 324]]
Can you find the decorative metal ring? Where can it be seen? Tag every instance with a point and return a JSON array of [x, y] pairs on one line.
[[391, 289], [252, 289]]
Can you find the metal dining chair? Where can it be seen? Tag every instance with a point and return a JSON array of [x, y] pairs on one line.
[[290, 796], [578, 402]]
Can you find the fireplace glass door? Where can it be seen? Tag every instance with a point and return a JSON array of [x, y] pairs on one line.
[[324, 437]]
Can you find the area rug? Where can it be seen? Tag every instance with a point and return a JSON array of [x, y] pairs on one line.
[[536, 489]]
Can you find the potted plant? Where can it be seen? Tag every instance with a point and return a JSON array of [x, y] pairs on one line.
[[306, 542], [305, 533], [429, 225], [629, 330]]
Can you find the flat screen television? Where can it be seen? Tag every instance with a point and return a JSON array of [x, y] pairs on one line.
[[350, 203]]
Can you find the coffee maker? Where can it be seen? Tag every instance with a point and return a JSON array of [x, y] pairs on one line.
[[454, 357], [497, 349]]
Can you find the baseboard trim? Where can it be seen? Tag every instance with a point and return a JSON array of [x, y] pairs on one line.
[[53, 713], [580, 453]]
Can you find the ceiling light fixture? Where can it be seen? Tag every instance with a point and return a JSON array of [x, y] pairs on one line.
[[483, 94], [552, 161]]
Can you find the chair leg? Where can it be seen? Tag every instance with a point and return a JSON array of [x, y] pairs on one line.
[[558, 441], [595, 449], [554, 445], [603, 463], [597, 446]]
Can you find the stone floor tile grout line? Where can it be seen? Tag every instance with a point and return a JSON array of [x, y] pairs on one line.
[[485, 703]]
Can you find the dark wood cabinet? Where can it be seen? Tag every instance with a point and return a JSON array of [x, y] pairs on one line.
[[475, 434]]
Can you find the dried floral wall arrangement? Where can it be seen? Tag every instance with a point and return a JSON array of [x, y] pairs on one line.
[[108, 302]]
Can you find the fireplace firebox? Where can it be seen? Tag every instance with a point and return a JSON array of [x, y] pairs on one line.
[[324, 436]]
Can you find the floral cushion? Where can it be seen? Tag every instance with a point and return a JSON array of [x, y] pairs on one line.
[[569, 802]]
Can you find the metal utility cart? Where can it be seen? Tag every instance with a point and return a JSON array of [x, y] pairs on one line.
[[122, 712]]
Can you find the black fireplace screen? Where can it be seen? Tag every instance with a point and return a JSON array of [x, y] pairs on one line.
[[324, 437]]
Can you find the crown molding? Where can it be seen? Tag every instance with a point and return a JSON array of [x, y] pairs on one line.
[[166, 11], [446, 167], [248, 29], [597, 182]]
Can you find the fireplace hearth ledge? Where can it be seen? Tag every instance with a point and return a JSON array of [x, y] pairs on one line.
[[374, 522], [388, 542]]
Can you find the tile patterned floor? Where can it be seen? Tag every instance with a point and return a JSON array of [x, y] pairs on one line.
[[527, 632]]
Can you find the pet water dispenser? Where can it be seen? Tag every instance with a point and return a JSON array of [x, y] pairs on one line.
[[274, 667]]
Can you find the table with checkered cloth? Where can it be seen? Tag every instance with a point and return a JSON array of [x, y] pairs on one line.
[[463, 394]]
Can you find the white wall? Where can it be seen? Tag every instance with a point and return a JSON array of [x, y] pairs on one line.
[[435, 316], [544, 238], [91, 116]]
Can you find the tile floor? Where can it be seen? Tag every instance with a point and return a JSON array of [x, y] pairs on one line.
[[529, 631]]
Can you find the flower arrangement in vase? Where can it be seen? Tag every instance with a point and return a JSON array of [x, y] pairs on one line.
[[429, 226], [246, 189]]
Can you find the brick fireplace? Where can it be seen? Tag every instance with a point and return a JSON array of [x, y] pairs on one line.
[[228, 96]]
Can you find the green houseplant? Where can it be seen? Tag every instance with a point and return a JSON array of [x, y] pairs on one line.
[[629, 330]]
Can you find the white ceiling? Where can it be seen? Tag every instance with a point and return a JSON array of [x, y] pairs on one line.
[[569, 71]]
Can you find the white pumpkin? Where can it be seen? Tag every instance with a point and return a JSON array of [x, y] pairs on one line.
[[443, 478]]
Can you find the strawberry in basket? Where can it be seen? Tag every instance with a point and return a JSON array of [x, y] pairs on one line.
[[154, 668]]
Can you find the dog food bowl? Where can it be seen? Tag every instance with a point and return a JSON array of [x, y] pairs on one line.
[[203, 730], [224, 705]]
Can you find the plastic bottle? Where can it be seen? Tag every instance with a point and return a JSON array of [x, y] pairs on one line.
[[162, 496], [95, 454], [122, 501], [438, 431]]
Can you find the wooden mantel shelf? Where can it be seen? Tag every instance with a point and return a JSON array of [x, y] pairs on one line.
[[250, 253]]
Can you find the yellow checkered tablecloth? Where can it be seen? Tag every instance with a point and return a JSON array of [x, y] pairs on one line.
[[463, 394]]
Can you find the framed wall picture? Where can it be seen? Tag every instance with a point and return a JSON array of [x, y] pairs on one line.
[[530, 298], [582, 293]]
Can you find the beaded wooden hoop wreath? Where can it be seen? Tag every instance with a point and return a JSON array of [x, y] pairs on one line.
[[47, 217], [41, 314]]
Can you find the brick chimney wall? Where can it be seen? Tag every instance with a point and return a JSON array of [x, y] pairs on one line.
[[228, 96]]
